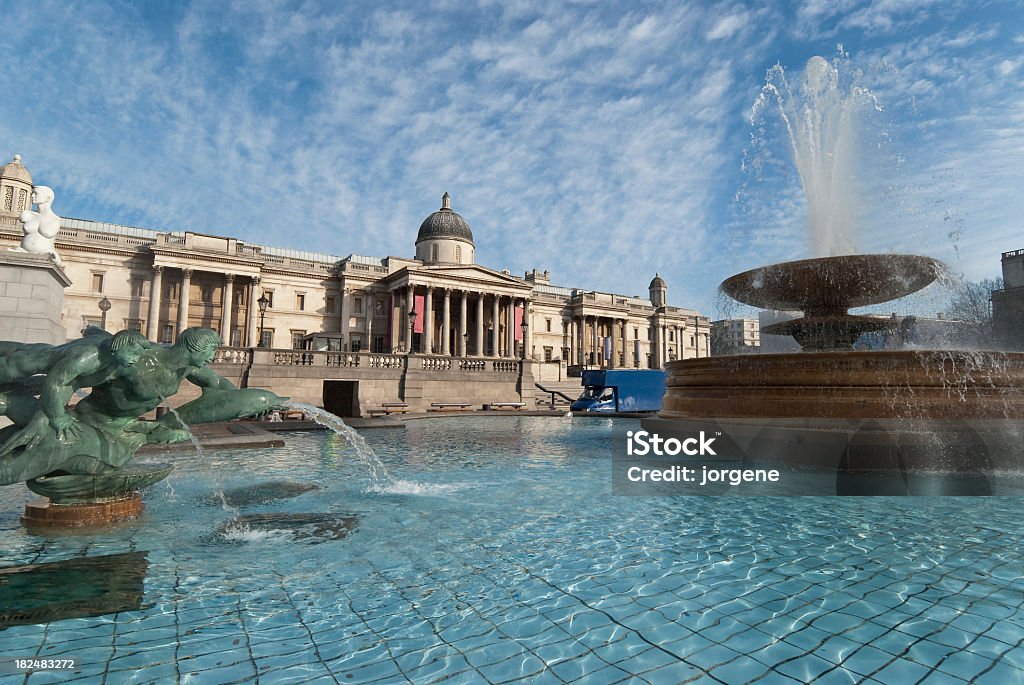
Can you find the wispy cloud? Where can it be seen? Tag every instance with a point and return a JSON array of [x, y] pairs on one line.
[[600, 141]]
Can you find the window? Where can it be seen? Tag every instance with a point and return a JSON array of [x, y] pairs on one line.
[[692, 341], [548, 324], [137, 286], [357, 305], [269, 294], [167, 333], [357, 343], [133, 325], [91, 321], [300, 301], [297, 337], [236, 337], [433, 253], [378, 308], [671, 335], [97, 283], [267, 337], [458, 254], [549, 353], [206, 293], [378, 344], [329, 305], [170, 291]]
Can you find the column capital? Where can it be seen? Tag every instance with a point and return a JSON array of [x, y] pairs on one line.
[[187, 273], [158, 268], [255, 280], [229, 277]]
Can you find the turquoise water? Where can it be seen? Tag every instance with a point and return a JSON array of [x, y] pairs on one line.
[[500, 555]]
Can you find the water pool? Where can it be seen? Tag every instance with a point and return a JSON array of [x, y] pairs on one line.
[[500, 556]]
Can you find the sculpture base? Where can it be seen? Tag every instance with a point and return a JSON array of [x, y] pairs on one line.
[[43, 513]]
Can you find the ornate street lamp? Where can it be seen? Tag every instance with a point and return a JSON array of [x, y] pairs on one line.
[[263, 303], [412, 326], [524, 326], [104, 308]]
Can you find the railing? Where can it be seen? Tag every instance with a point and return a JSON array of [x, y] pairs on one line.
[[368, 360], [231, 355], [1014, 253]]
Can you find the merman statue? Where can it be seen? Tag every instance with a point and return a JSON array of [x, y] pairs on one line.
[[129, 377]]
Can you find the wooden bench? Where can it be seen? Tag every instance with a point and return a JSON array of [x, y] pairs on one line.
[[387, 408], [449, 406], [498, 406]]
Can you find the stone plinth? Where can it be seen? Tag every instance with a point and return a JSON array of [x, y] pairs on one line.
[[45, 514], [31, 298]]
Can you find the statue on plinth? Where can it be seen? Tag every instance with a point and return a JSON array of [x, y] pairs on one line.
[[40, 227]]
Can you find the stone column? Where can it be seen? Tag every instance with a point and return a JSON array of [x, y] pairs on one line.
[[579, 346], [428, 321], [478, 348], [252, 313], [614, 361], [510, 331], [410, 305], [155, 285], [446, 323], [226, 307], [655, 346], [345, 316], [528, 338], [186, 284], [597, 347], [497, 328], [462, 324]]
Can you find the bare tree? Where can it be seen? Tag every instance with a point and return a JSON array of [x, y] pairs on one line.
[[971, 304]]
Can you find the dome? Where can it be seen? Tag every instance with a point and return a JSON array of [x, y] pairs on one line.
[[657, 282], [445, 224], [15, 171]]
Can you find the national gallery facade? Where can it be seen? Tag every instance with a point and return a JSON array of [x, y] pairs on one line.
[[439, 302]]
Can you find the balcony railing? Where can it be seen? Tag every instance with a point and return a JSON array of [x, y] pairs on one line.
[[365, 360]]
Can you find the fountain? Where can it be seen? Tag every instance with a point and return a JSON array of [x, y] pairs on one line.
[[78, 457], [924, 421]]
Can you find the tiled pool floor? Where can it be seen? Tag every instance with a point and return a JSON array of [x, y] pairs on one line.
[[501, 557]]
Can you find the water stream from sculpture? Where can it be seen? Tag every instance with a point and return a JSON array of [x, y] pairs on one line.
[[821, 122], [202, 455], [378, 471]]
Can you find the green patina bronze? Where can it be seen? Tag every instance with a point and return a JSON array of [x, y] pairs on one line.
[[128, 376]]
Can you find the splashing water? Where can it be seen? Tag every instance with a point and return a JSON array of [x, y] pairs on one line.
[[199, 450], [378, 472], [821, 122]]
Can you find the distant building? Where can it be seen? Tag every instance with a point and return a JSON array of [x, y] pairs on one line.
[[776, 344], [735, 336], [1008, 303], [161, 282]]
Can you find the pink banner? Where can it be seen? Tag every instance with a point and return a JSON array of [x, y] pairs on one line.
[[519, 323], [418, 304]]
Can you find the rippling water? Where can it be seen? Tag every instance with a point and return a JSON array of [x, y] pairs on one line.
[[497, 553]]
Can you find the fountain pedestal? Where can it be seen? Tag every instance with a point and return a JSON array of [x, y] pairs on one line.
[[43, 513], [73, 501]]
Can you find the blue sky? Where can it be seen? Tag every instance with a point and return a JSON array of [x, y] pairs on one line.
[[601, 141]]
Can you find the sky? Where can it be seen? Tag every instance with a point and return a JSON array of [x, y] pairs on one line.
[[601, 141]]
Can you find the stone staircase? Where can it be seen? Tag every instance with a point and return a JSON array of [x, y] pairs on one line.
[[570, 388]]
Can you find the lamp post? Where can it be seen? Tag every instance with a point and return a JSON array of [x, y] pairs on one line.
[[465, 344], [412, 326], [490, 336], [524, 325], [262, 303], [104, 308]]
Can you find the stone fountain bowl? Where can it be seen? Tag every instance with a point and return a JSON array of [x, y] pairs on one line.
[[85, 489], [833, 284]]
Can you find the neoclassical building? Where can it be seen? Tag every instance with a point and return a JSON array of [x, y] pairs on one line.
[[440, 302]]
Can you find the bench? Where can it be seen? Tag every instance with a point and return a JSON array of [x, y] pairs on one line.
[[389, 408], [497, 406], [449, 406]]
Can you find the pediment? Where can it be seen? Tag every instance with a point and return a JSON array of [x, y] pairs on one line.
[[465, 276]]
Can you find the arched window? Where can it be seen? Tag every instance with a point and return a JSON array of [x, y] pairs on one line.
[[458, 254], [433, 253]]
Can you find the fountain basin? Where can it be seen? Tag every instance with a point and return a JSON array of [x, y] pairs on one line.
[[903, 412]]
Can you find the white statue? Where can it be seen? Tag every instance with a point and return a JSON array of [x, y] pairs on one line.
[[40, 227]]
